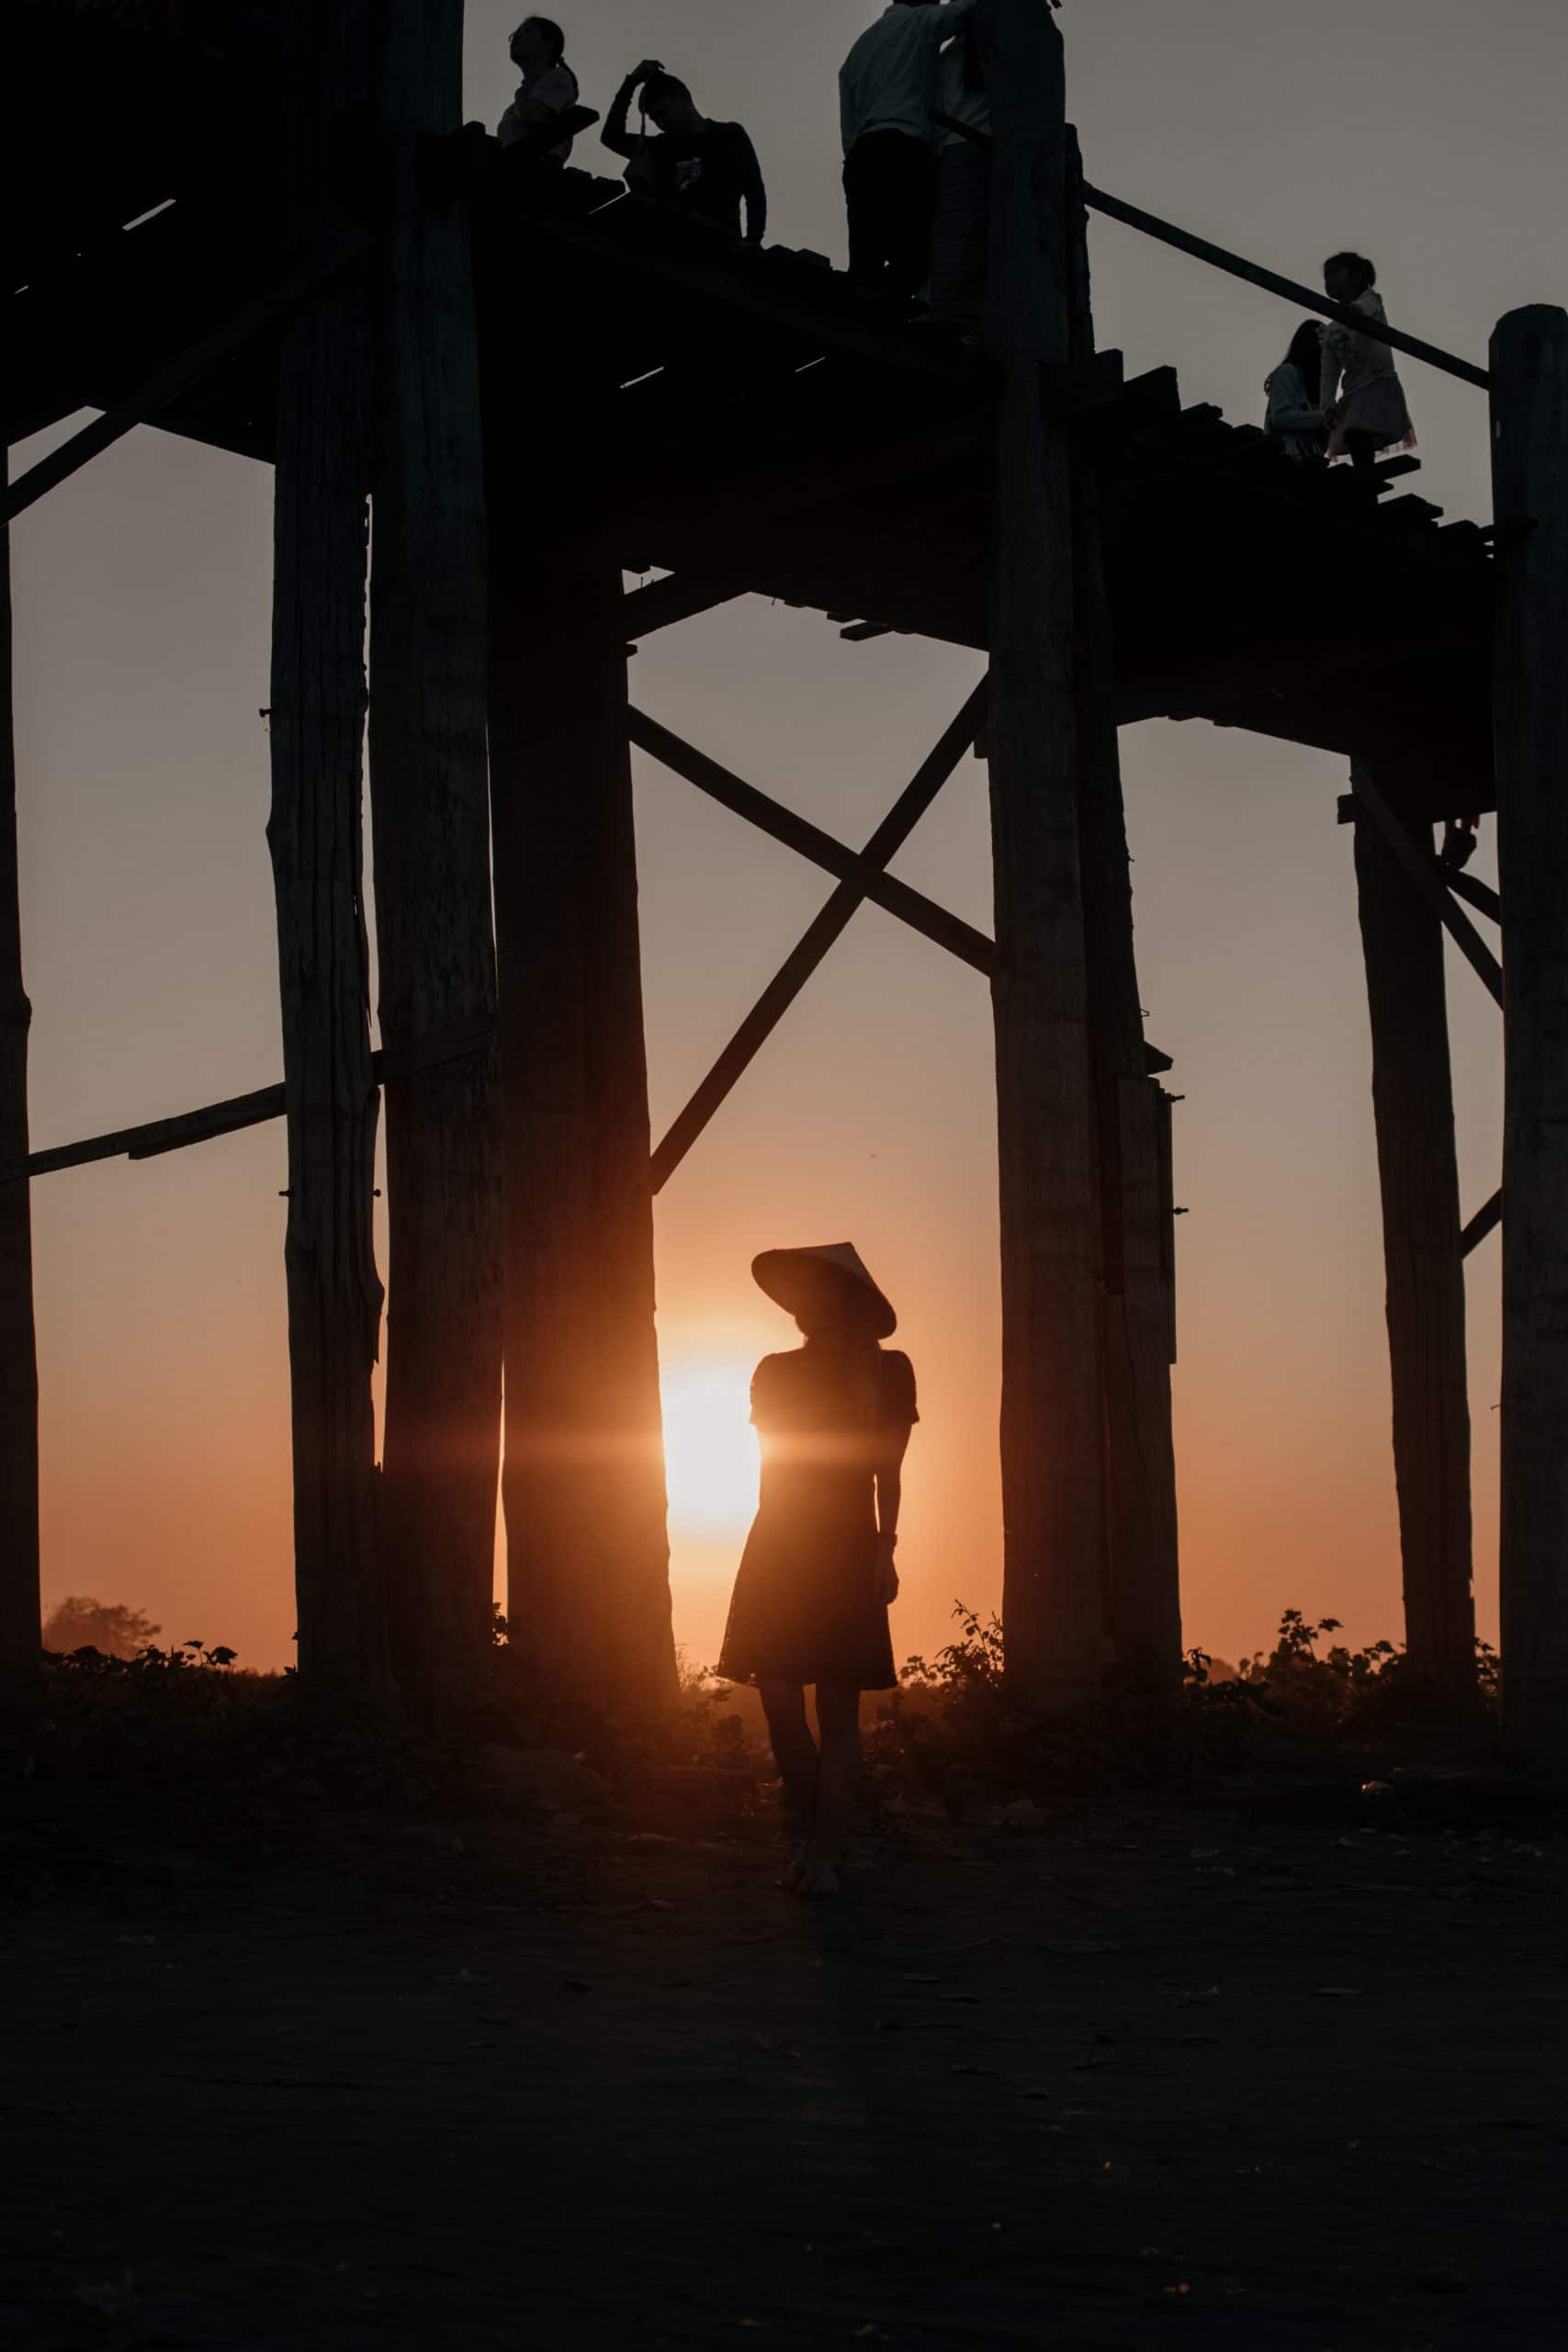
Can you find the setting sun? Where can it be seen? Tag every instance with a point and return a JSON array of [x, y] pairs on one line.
[[710, 1451]]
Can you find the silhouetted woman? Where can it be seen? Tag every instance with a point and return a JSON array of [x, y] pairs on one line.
[[1361, 395], [816, 1577], [1294, 418]]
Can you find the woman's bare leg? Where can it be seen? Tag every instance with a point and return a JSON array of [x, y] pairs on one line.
[[794, 1750], [837, 1773]]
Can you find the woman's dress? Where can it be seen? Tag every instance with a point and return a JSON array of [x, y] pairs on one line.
[[806, 1608], [1362, 390]]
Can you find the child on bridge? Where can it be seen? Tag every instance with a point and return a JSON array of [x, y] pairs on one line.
[[1361, 395]]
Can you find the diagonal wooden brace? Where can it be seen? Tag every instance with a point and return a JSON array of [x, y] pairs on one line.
[[1422, 874], [923, 914], [177, 375], [818, 937]]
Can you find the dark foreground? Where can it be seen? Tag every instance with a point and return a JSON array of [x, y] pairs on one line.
[[1136, 2079]]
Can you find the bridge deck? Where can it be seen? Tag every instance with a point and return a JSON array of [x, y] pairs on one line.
[[759, 428]]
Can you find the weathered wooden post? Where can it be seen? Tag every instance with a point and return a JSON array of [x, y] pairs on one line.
[[19, 1352], [314, 834], [1144, 1595], [1413, 1105], [1053, 1429], [583, 1481], [434, 944], [1529, 478]]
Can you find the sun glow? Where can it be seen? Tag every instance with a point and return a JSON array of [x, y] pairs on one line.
[[710, 1451]]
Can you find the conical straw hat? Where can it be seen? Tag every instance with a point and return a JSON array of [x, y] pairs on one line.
[[788, 1276]]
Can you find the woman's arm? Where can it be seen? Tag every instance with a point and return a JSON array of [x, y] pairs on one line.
[[891, 1446], [752, 188]]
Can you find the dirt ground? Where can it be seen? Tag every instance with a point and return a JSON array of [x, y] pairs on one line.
[[1135, 2077]]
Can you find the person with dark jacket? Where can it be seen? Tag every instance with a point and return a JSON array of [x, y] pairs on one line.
[[705, 170]]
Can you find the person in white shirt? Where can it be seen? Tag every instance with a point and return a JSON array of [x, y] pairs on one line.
[[548, 87], [888, 95]]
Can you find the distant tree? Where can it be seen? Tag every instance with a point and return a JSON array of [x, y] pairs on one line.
[[80, 1623]]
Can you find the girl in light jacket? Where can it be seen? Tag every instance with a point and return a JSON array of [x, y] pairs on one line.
[[1293, 419]]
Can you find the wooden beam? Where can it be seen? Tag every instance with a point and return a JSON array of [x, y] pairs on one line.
[[430, 802], [178, 375], [583, 1481], [660, 604], [314, 836], [18, 1350], [154, 1136], [775, 289], [1421, 867], [816, 939], [1478, 894], [782, 824], [1423, 1253], [1053, 1431], [1143, 1597], [1488, 1214], [1530, 476], [1200, 249]]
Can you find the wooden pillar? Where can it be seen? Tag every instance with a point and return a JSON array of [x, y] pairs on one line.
[[314, 835], [583, 1483], [1051, 1420], [1530, 473], [1143, 1595], [1402, 940], [434, 944], [18, 1353]]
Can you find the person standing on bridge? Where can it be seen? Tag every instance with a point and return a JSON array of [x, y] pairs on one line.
[[1361, 396], [548, 87], [816, 1577], [705, 170], [887, 103]]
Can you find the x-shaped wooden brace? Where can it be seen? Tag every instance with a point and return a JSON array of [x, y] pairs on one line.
[[862, 876]]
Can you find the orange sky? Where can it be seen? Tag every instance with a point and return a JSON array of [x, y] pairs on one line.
[[141, 593]]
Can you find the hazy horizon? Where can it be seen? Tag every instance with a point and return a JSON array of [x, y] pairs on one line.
[[1430, 136]]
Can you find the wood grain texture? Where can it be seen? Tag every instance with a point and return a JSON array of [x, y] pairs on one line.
[[1402, 941], [584, 1479], [436, 948], [18, 1353], [1143, 1592], [314, 835], [1530, 473], [1052, 1437]]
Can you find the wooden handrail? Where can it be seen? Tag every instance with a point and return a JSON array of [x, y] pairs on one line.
[[1199, 248]]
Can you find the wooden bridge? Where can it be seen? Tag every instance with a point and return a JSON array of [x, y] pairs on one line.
[[541, 386]]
